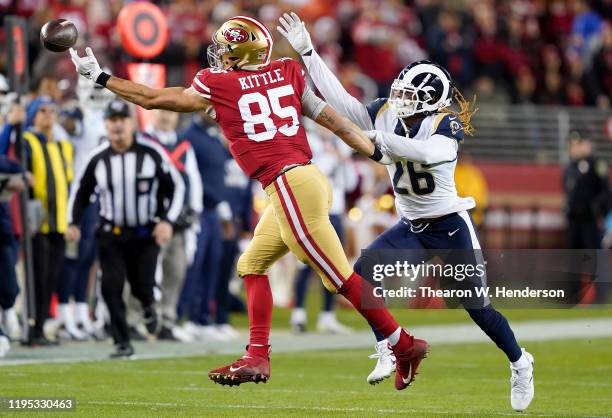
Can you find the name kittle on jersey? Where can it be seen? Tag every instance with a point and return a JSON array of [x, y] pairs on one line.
[[263, 79]]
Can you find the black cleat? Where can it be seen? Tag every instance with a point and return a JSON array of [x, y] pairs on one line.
[[123, 350]]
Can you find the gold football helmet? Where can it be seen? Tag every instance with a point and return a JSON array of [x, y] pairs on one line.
[[241, 42]]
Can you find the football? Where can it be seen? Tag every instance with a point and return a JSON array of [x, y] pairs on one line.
[[58, 35]]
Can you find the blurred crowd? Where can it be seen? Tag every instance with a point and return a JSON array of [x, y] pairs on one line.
[[549, 52]]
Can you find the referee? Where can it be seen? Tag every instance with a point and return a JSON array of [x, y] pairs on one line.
[[141, 194]]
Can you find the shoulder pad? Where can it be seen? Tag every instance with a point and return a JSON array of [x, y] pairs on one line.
[[201, 82], [448, 125], [375, 107]]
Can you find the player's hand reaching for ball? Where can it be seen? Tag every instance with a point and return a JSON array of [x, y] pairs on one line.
[[295, 31], [88, 65]]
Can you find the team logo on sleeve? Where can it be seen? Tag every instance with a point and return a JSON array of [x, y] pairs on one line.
[[236, 35], [455, 127]]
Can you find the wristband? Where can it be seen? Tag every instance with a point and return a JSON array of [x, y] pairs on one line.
[[103, 79], [377, 156]]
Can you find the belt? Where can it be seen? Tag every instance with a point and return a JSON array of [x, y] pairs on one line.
[[427, 220], [138, 231], [287, 168]]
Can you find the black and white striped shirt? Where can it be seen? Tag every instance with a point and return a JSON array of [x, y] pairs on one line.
[[136, 188]]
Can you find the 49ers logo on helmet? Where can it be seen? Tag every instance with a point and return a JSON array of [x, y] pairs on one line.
[[236, 35]]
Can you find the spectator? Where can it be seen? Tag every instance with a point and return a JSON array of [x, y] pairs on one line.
[[8, 241], [586, 30], [239, 196], [85, 126], [471, 181], [587, 198], [601, 71], [9, 288], [197, 296], [587, 193], [71, 119], [174, 255], [50, 160], [524, 86], [450, 45], [376, 41]]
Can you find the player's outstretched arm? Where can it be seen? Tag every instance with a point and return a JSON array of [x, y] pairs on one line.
[[178, 99], [433, 150], [350, 133], [324, 79]]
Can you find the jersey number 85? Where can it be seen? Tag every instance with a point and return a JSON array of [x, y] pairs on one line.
[[267, 106]]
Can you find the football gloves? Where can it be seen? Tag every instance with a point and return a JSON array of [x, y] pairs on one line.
[[88, 65], [295, 31]]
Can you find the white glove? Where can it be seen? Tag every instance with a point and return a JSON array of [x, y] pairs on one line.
[[224, 211], [87, 66], [295, 31], [372, 135], [376, 139]]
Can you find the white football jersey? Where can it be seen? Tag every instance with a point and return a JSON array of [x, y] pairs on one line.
[[422, 191]]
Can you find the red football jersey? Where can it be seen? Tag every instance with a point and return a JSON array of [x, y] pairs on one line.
[[259, 113]]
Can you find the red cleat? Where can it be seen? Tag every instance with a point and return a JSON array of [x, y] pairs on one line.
[[249, 368], [408, 356]]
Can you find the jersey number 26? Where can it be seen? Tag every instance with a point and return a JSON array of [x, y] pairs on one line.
[[421, 182]]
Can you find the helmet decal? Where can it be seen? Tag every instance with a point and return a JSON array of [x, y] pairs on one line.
[[236, 35]]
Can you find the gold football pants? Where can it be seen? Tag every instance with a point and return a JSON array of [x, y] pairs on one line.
[[298, 220]]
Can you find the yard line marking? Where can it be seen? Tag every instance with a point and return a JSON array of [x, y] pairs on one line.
[[321, 408], [284, 342]]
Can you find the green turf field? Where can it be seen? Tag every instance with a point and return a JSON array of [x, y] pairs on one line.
[[572, 379]]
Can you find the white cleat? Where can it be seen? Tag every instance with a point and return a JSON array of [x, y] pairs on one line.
[[11, 324], [228, 330], [5, 345], [210, 333], [328, 323], [182, 335], [385, 365], [521, 384], [298, 320]]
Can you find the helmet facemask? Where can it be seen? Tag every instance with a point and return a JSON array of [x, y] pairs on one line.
[[407, 100], [422, 88], [215, 53]]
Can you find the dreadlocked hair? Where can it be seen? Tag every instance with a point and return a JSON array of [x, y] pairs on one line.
[[466, 111]]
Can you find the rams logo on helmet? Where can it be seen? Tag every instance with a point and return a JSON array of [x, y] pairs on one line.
[[236, 35]]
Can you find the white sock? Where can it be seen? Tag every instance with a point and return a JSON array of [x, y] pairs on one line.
[[395, 337], [521, 363]]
